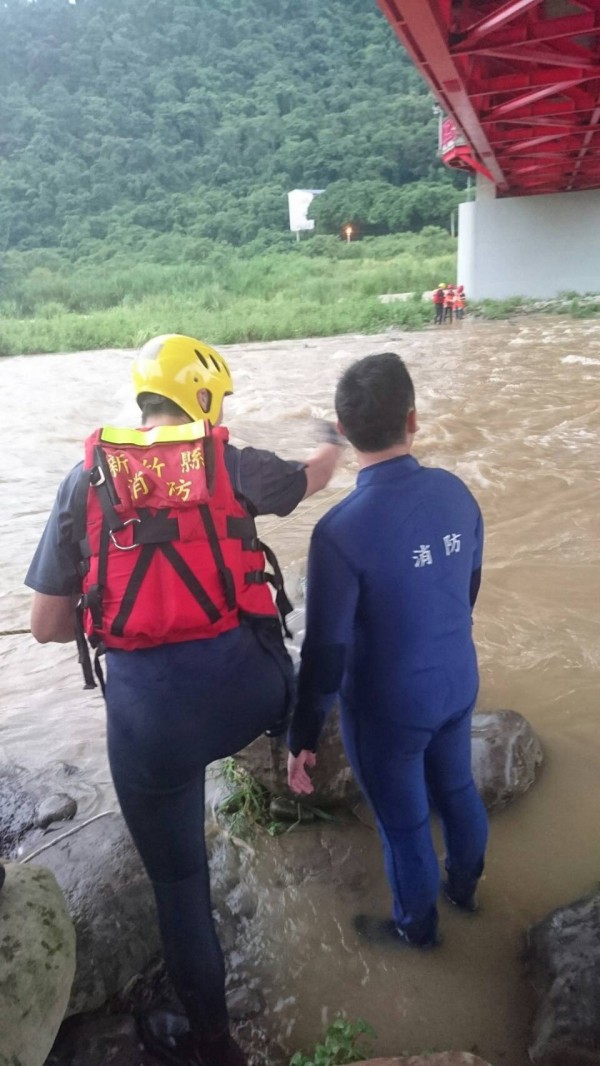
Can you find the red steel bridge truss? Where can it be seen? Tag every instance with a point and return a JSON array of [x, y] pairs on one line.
[[520, 80]]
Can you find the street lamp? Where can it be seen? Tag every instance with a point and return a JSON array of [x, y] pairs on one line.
[[348, 232]]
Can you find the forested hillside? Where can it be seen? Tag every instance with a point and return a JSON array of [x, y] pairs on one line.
[[124, 119]]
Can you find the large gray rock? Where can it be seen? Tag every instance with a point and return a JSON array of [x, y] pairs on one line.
[[37, 963], [18, 805], [28, 798], [57, 808], [266, 760], [112, 906], [564, 960], [506, 757], [98, 1040], [446, 1058]]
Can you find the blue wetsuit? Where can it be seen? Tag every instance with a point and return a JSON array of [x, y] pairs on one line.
[[172, 710], [393, 574]]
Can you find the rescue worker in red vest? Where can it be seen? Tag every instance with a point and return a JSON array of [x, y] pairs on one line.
[[459, 303], [448, 303], [438, 303], [154, 537]]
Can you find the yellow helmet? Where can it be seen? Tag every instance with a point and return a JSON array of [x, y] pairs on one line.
[[177, 367]]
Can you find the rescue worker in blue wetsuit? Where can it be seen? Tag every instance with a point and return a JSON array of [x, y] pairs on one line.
[[393, 576], [175, 704]]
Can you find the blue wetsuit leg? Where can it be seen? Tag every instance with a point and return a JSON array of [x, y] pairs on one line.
[[458, 803], [389, 763], [399, 767], [171, 711]]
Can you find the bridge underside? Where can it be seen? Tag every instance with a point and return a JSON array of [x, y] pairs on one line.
[[521, 79]]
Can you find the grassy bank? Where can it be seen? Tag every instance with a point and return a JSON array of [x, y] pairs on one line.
[[174, 284], [573, 304], [318, 287]]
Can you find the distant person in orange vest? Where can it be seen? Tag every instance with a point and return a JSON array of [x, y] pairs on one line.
[[438, 303], [448, 303], [459, 303]]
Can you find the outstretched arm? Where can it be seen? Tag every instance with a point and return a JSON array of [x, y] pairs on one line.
[[320, 466]]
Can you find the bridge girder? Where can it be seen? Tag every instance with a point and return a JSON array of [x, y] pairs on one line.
[[513, 76]]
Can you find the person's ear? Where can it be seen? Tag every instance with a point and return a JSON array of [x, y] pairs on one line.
[[340, 428], [204, 399], [412, 426]]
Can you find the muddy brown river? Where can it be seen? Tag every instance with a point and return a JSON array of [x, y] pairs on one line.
[[514, 409]]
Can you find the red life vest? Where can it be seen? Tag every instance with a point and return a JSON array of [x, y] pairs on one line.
[[169, 553]]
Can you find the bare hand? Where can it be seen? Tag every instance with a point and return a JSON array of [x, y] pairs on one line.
[[298, 777]]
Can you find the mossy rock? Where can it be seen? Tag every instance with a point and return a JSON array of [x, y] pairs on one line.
[[37, 964]]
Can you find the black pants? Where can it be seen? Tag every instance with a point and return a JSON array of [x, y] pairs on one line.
[[439, 314], [171, 711]]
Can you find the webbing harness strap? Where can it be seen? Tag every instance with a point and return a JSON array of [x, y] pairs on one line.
[[210, 468], [215, 546], [84, 657], [191, 581], [83, 651], [142, 565], [101, 480], [244, 529], [263, 577], [140, 570]]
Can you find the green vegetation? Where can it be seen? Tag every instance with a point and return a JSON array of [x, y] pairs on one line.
[[573, 304], [146, 153], [318, 287], [375, 207], [122, 120], [247, 806], [342, 1044], [498, 309]]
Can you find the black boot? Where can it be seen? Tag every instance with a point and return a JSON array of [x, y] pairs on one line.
[[466, 901], [168, 1036], [384, 932], [460, 889]]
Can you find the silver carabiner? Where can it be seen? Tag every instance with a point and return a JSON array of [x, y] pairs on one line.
[[125, 547]]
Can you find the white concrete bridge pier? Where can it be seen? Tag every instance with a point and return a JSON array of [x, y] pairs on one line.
[[536, 246]]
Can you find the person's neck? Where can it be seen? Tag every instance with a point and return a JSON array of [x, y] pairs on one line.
[[164, 420], [370, 458]]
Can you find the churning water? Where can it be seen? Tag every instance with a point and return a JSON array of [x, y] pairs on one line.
[[514, 409]]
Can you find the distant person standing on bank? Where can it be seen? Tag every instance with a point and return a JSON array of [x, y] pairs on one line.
[[459, 303], [448, 304], [438, 304], [393, 575]]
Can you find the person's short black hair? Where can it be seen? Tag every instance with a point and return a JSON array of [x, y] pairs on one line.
[[151, 404], [372, 401]]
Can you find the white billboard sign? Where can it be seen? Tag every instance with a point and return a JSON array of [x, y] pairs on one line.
[[299, 201]]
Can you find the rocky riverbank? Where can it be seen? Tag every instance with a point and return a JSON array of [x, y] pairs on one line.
[[257, 887]]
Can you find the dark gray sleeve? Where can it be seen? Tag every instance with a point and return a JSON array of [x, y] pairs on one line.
[[53, 569], [269, 484]]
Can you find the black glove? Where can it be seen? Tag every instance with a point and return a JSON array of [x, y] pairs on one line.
[[328, 434]]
